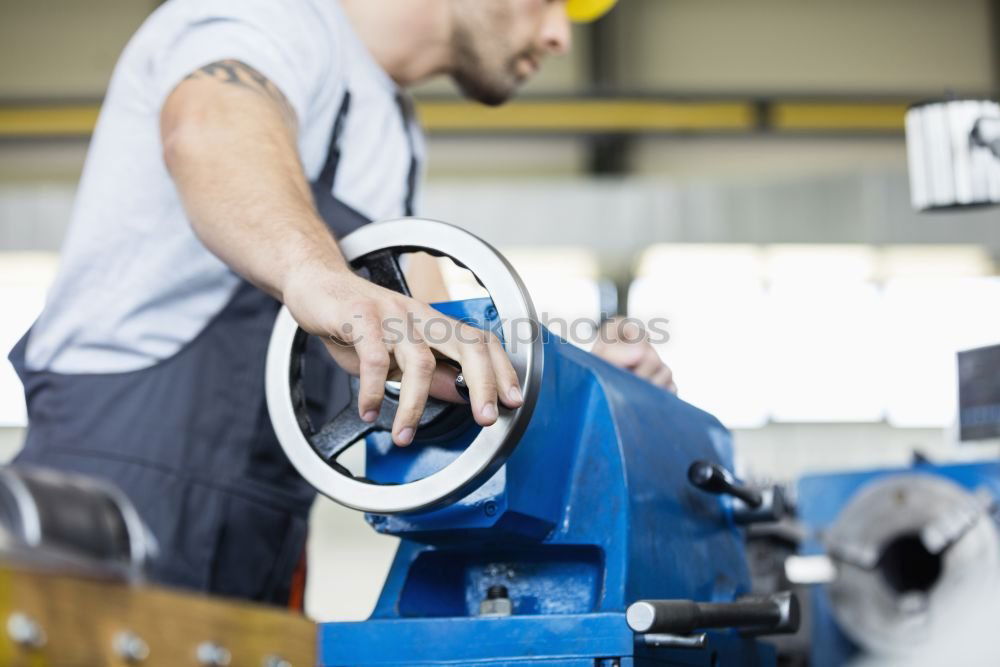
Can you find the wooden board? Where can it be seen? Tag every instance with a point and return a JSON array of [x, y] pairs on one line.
[[81, 617]]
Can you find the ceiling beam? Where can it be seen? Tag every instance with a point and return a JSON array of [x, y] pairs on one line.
[[561, 116]]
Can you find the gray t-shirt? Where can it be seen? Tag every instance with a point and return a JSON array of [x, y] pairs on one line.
[[135, 284]]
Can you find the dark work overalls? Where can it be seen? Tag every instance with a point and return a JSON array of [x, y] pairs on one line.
[[190, 441]]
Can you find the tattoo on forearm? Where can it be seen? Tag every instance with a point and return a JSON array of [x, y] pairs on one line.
[[240, 74]]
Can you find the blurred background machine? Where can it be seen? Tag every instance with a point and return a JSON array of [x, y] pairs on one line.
[[72, 556], [905, 562], [72, 523], [526, 542], [954, 153], [911, 567]]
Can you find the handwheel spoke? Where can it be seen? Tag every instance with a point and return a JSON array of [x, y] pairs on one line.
[[338, 434], [384, 270]]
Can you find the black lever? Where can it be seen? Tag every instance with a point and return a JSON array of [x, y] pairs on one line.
[[757, 614], [713, 478]]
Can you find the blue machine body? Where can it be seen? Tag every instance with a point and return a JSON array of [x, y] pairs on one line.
[[821, 498], [591, 512]]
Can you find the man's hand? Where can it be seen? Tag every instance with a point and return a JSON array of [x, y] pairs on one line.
[[624, 344], [381, 335], [229, 141]]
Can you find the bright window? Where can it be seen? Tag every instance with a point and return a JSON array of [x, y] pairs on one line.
[[820, 333], [713, 299], [24, 280]]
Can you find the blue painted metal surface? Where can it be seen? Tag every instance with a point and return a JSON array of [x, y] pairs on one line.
[[821, 498], [565, 640], [591, 512]]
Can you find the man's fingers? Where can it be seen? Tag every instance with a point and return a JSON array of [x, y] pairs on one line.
[[508, 386], [650, 364], [622, 355], [488, 372], [418, 366], [665, 378], [469, 347], [630, 331], [480, 377], [639, 357], [373, 364]]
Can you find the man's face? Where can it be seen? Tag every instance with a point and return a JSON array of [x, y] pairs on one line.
[[499, 44]]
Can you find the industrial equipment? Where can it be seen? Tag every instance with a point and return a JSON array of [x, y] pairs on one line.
[[954, 154], [73, 553], [52, 617], [71, 523], [979, 393], [906, 565], [596, 525], [912, 556]]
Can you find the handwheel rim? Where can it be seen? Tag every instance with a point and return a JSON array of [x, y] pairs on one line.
[[491, 447]]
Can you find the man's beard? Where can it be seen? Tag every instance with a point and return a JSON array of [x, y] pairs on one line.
[[488, 84]]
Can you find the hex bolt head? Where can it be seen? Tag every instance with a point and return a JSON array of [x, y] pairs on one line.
[[497, 592], [211, 654], [25, 631], [130, 647]]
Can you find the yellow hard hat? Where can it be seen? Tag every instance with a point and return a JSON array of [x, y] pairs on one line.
[[585, 11]]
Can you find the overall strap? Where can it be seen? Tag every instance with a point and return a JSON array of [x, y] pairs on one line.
[[338, 216], [329, 171], [406, 111]]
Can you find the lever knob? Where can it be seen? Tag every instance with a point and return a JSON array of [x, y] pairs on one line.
[[713, 478]]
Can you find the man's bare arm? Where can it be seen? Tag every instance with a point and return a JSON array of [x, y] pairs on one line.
[[240, 74], [229, 142]]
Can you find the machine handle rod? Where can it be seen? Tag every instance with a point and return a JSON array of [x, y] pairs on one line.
[[778, 613], [713, 478]]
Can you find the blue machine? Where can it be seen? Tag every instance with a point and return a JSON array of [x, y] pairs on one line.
[[913, 549], [592, 511]]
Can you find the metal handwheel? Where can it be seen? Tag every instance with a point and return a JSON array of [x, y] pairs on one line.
[[375, 248]]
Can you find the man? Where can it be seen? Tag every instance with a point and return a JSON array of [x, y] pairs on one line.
[[238, 138]]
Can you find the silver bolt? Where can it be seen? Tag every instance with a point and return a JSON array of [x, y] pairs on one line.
[[276, 661], [211, 654], [25, 631], [130, 647]]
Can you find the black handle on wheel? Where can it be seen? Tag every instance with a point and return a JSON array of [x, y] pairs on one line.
[[770, 614], [713, 478]]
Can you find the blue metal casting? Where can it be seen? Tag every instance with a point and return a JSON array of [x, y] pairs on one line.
[[592, 511]]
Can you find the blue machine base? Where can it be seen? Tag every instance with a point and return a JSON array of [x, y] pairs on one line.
[[574, 640]]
